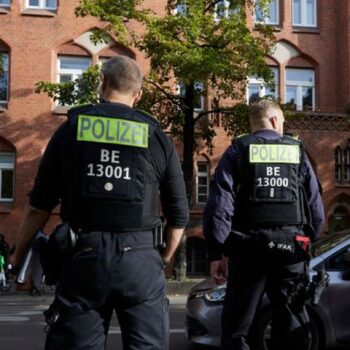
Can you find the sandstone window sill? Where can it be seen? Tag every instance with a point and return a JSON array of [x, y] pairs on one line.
[[4, 10], [38, 12]]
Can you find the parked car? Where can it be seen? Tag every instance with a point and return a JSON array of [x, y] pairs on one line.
[[330, 318]]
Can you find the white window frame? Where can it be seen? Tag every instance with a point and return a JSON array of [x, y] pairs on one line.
[[226, 5], [6, 73], [303, 14], [266, 19], [75, 73], [300, 85], [7, 166], [41, 6], [262, 85], [196, 86], [205, 175], [5, 3]]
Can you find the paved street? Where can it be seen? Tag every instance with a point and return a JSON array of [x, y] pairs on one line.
[[22, 323]]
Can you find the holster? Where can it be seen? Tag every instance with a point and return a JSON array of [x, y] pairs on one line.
[[61, 243]]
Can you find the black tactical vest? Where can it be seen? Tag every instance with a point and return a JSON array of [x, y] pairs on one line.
[[269, 192], [113, 183]]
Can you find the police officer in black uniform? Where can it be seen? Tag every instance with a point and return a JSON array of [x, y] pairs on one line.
[[264, 206], [107, 166]]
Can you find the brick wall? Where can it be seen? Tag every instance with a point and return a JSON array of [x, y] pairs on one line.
[[33, 39]]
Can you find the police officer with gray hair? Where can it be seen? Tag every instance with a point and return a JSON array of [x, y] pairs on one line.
[[110, 167], [263, 209]]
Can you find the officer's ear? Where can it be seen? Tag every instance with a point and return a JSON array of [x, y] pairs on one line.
[[138, 97], [273, 121]]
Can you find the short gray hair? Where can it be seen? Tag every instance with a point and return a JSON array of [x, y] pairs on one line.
[[123, 74]]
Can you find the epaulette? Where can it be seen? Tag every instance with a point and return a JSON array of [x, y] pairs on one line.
[[79, 109], [241, 135], [149, 117], [293, 136]]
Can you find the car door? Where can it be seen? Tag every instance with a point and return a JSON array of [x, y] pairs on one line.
[[338, 267]]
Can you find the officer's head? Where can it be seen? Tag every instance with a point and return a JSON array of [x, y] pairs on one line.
[[266, 114], [121, 80]]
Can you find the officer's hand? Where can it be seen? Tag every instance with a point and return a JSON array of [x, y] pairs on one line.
[[218, 270]]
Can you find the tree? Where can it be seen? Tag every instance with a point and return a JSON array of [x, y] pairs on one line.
[[203, 46]]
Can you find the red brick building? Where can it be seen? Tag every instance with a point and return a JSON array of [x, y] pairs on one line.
[[43, 40]]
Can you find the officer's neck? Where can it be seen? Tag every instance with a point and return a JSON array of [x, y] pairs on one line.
[[116, 97]]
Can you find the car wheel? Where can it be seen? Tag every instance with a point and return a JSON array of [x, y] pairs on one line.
[[263, 332]]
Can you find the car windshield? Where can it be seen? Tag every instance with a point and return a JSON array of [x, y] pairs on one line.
[[327, 243]]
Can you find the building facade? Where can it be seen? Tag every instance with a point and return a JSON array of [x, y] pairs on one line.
[[43, 40]]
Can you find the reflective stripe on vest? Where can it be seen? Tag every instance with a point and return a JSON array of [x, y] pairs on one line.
[[275, 153], [112, 131]]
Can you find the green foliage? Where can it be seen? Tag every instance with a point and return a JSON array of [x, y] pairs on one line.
[[80, 91], [193, 46], [205, 44]]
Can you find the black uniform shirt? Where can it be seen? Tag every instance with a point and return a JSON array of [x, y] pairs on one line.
[[220, 208], [51, 184]]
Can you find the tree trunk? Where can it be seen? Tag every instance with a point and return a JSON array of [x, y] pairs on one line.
[[180, 264]]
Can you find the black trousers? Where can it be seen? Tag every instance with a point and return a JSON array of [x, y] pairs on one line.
[[250, 275], [110, 272]]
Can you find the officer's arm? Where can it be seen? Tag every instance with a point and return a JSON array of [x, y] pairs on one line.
[[313, 192], [217, 217], [174, 236], [34, 219]]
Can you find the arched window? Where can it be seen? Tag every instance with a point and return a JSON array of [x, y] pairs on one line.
[[197, 257], [346, 165], [339, 220], [4, 77], [337, 164], [342, 165], [7, 168], [202, 182]]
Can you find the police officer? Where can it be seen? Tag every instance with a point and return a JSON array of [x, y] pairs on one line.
[[106, 166], [263, 199]]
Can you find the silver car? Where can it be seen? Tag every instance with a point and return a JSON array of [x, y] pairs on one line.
[[330, 318]]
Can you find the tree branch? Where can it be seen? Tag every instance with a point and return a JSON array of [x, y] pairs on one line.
[[213, 111], [171, 97]]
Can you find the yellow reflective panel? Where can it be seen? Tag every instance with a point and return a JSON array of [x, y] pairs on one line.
[[112, 130], [274, 154]]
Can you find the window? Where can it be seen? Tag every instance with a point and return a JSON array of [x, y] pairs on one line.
[[257, 87], [42, 4], [223, 10], [337, 164], [71, 67], [198, 99], [197, 257], [4, 78], [5, 3], [346, 174], [202, 182], [300, 88], [342, 165], [180, 8], [339, 261], [304, 13], [7, 161], [271, 16]]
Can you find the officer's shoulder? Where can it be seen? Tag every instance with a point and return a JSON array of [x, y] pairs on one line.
[[79, 109], [149, 117], [292, 137]]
